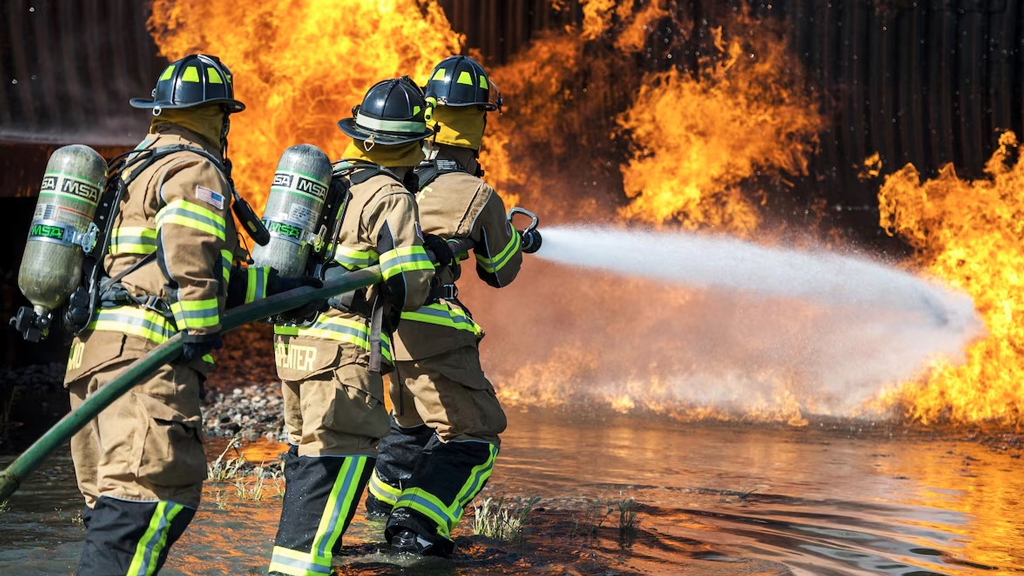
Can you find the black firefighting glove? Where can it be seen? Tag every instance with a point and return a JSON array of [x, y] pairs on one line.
[[439, 248], [195, 346], [277, 284], [531, 241]]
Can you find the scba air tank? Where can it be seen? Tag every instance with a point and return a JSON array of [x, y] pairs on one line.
[[62, 228], [293, 209]]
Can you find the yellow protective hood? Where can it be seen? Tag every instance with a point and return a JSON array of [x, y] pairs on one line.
[[206, 121], [463, 127], [409, 154]]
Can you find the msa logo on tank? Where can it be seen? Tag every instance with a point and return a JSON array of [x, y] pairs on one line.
[[61, 184], [294, 357], [301, 184], [286, 230], [51, 231]]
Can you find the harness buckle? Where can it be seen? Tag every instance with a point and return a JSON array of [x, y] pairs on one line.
[[449, 291]]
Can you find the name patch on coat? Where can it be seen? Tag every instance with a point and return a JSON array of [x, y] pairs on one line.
[[210, 197]]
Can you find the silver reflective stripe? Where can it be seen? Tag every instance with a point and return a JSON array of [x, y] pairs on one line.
[[390, 125]]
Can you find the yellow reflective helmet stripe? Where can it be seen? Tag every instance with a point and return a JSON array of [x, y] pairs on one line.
[[439, 74], [190, 75], [465, 78], [168, 72], [483, 82], [213, 76]]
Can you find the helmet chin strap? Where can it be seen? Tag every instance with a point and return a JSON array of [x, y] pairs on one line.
[[430, 150]]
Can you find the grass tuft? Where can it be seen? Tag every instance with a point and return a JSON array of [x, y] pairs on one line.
[[500, 521]]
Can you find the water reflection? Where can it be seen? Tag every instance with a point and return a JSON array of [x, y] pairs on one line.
[[713, 499]]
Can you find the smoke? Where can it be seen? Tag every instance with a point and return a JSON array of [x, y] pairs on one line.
[[697, 327]]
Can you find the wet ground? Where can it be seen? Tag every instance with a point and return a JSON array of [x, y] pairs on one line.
[[709, 499]]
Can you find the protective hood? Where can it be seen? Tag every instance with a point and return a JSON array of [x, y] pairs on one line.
[[207, 121], [463, 127]]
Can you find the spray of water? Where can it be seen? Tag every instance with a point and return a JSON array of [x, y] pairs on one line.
[[684, 320]]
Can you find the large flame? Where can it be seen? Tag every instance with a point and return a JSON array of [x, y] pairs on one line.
[[969, 233], [697, 137], [300, 66]]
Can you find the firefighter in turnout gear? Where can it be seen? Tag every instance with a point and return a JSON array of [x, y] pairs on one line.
[[170, 264], [446, 418], [331, 369]]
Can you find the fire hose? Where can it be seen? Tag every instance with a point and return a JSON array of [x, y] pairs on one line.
[[12, 477]]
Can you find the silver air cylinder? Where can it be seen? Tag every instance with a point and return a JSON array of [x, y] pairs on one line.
[[293, 209], [62, 226]]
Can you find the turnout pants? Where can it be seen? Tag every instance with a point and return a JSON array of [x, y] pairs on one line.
[[441, 449], [334, 421], [140, 466]]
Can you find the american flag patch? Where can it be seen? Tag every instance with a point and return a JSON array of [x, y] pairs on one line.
[[210, 197]]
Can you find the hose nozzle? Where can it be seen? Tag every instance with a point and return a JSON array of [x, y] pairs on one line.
[[530, 237]]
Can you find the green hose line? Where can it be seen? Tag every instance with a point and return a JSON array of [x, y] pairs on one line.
[[14, 475]]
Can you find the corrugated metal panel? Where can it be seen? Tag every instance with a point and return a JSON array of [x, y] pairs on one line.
[[69, 67], [922, 82]]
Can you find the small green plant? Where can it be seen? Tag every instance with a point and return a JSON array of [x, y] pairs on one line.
[[4, 507], [500, 521], [627, 522], [221, 470], [586, 527]]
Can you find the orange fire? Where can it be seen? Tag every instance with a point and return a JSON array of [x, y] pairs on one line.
[[301, 66], [969, 234], [698, 139]]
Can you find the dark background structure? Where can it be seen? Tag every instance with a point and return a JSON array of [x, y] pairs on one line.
[[926, 81]]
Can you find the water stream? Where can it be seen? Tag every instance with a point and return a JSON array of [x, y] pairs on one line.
[[686, 320]]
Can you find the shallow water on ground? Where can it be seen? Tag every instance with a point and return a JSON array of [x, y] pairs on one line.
[[851, 499]]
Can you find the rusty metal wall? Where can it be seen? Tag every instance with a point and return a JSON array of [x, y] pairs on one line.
[[69, 67], [927, 82]]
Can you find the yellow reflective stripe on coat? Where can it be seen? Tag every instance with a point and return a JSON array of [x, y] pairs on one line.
[[296, 563], [383, 491], [134, 321], [354, 259], [153, 541], [185, 213], [338, 329], [193, 314], [256, 283], [226, 259], [443, 315], [404, 259], [132, 240], [492, 265], [427, 504]]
